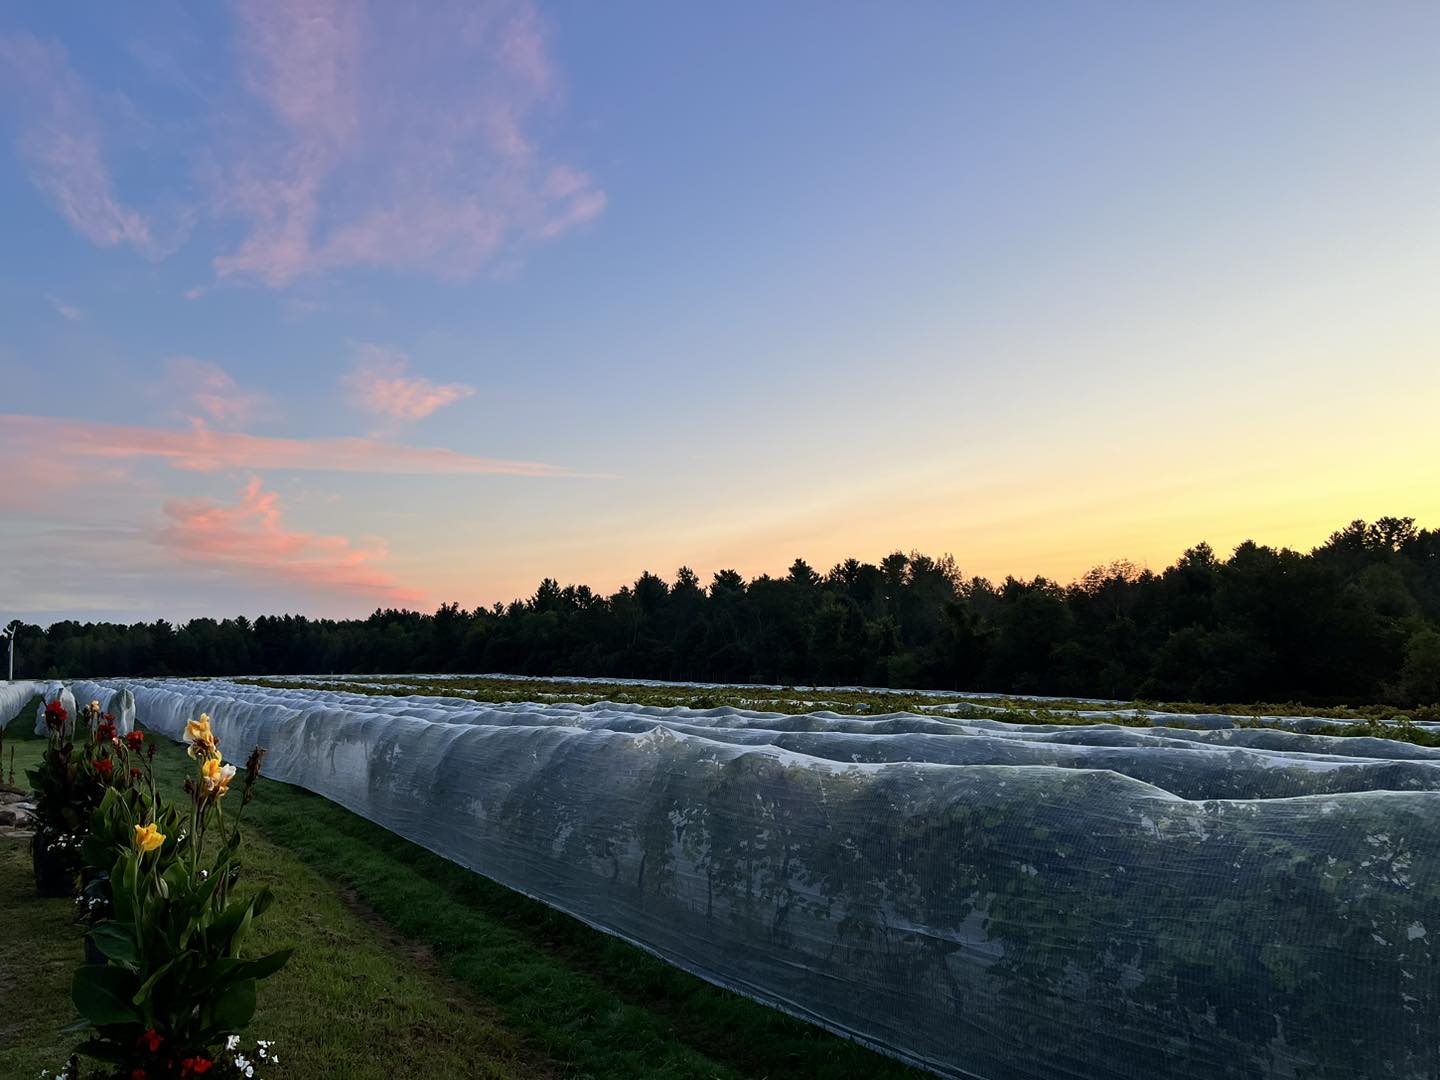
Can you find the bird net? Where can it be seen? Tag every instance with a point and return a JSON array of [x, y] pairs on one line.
[[14, 696], [986, 900]]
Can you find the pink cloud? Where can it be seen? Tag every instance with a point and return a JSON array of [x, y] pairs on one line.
[[211, 390], [379, 385], [204, 450], [60, 144], [33, 479], [249, 538], [393, 136]]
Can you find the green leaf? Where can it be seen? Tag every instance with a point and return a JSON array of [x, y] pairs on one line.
[[103, 995], [234, 1006], [155, 976], [231, 925], [117, 941], [263, 899], [264, 966]]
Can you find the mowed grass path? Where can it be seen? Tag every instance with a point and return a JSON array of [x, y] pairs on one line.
[[354, 1001], [402, 956]]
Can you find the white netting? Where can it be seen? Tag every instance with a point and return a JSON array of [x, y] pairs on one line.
[[55, 692], [990, 900], [118, 702], [14, 696]]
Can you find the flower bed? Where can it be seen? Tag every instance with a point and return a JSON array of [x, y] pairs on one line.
[[166, 988]]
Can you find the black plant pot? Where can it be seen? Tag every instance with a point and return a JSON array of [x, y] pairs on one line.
[[54, 872]]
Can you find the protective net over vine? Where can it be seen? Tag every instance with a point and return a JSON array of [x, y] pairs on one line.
[[988, 900], [14, 696]]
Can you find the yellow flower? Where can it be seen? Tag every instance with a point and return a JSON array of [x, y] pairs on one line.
[[148, 837], [215, 777], [201, 739]]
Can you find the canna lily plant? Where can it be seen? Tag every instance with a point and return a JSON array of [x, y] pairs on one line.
[[175, 985], [81, 763]]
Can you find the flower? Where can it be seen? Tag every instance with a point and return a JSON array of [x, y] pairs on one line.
[[134, 772], [252, 765], [201, 739], [214, 777], [104, 765], [134, 739], [194, 1066], [148, 838], [55, 715], [137, 1073], [151, 1040], [105, 733]]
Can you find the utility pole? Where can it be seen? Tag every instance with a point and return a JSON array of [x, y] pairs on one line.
[[10, 632]]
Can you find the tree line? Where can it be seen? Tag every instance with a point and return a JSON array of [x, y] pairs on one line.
[[1354, 621]]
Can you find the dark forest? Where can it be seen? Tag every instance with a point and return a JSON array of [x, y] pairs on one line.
[[1356, 620]]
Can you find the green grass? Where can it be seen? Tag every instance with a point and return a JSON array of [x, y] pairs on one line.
[[39, 948], [356, 1001]]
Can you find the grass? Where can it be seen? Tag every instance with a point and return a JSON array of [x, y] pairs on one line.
[[39, 948], [407, 965]]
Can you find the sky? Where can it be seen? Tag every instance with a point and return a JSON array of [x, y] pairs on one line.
[[323, 306]]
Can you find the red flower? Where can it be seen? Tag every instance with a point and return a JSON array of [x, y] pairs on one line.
[[55, 715], [134, 774], [105, 733], [151, 1040], [104, 765], [194, 1066], [134, 739], [137, 1073]]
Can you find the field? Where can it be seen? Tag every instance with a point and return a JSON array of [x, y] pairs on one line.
[[1420, 726], [993, 886]]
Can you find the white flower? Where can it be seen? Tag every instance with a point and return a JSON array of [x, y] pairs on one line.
[[233, 1042]]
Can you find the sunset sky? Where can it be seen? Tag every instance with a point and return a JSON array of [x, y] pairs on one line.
[[321, 307]]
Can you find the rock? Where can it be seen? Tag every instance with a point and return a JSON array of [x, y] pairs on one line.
[[17, 815], [17, 809]]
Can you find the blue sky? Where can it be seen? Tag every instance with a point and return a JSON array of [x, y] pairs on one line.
[[1041, 287]]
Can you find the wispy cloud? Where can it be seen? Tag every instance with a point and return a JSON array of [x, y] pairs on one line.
[[204, 450], [68, 312], [393, 137], [60, 143], [249, 538], [379, 385], [209, 389], [355, 136]]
